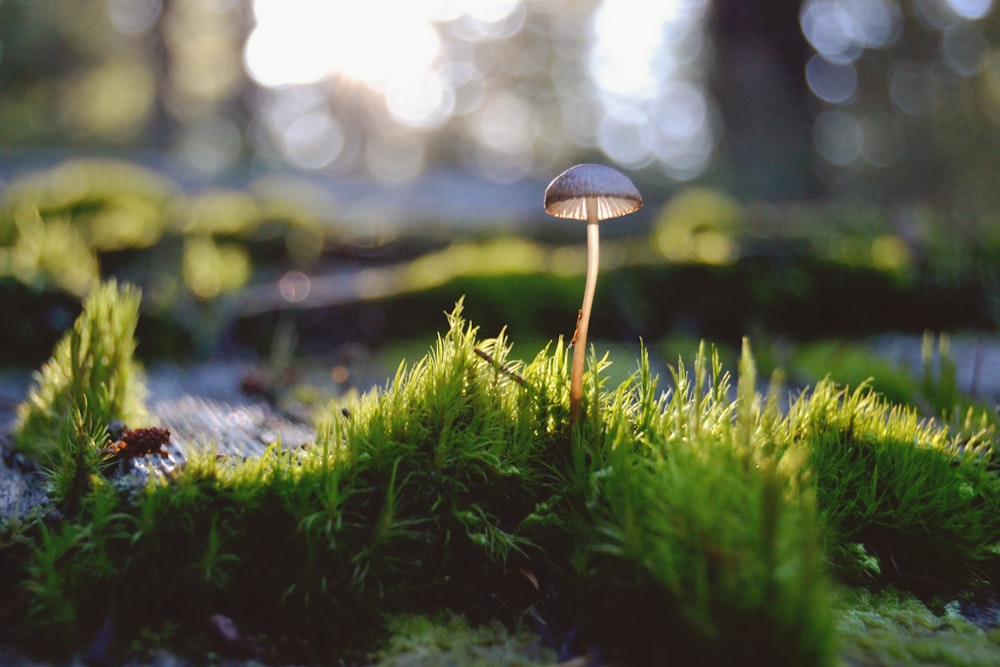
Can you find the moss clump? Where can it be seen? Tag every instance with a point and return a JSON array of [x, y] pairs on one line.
[[894, 628], [92, 370], [452, 488], [447, 639], [694, 521], [91, 380], [902, 499], [698, 516]]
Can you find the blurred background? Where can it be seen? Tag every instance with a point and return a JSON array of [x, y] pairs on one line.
[[318, 177]]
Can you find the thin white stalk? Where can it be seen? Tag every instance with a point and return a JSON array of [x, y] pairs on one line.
[[583, 323]]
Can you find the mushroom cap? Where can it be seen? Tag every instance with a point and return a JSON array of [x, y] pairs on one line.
[[567, 194]]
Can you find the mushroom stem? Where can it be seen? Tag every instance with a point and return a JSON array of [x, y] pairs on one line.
[[583, 323]]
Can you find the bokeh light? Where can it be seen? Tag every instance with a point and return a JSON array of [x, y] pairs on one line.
[[920, 89], [395, 157], [971, 9], [838, 137], [648, 78], [913, 88], [425, 100], [305, 41], [211, 144], [372, 67], [884, 139], [112, 100], [831, 82], [505, 89], [294, 286], [313, 140], [133, 17], [964, 49], [840, 30], [428, 65], [936, 14]]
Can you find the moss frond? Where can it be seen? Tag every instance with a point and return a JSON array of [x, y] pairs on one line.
[[692, 519], [92, 371], [77, 457]]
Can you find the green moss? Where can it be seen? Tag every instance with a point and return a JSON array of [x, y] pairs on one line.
[[853, 365], [460, 486], [696, 516], [434, 490], [920, 501], [62, 229], [893, 628], [82, 558], [448, 639], [91, 380]]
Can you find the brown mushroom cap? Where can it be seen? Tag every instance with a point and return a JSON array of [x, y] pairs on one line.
[[567, 194]]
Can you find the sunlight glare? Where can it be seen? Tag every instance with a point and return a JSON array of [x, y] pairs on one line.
[[624, 59], [654, 108], [422, 100], [971, 9], [645, 70], [306, 41], [491, 11]]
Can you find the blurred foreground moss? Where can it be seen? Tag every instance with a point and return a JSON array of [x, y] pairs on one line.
[[709, 266], [695, 521]]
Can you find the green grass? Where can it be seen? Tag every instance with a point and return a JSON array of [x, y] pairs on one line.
[[460, 486]]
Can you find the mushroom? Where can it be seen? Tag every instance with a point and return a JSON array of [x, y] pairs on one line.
[[590, 192]]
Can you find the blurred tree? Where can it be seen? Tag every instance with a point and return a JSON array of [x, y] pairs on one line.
[[34, 56], [757, 78]]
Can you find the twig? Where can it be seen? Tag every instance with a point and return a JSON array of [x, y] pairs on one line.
[[500, 367]]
